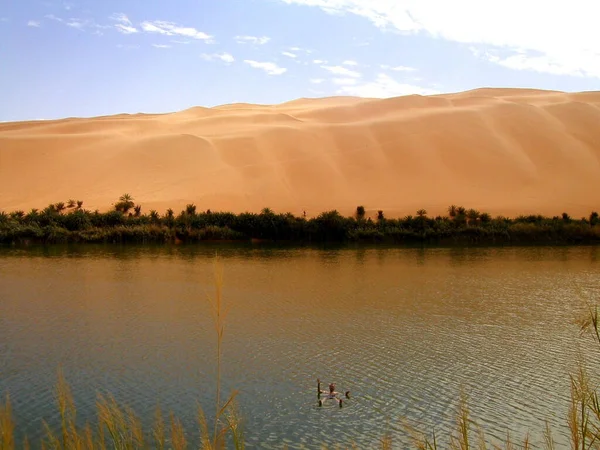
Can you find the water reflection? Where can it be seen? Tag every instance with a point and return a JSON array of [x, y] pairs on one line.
[[404, 329]]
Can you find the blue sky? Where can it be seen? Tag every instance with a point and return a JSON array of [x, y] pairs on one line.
[[89, 57]]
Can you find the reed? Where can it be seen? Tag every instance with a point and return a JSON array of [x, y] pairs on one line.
[[7, 426]]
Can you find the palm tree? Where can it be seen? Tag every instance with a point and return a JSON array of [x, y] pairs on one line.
[[154, 215], [71, 203], [125, 203], [266, 211], [485, 218], [380, 216], [170, 213], [360, 212], [79, 204], [138, 210], [17, 214], [461, 211], [59, 207], [593, 218], [472, 215], [33, 215], [421, 213], [190, 209], [452, 210]]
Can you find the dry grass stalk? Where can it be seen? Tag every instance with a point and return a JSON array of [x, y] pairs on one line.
[[7, 426]]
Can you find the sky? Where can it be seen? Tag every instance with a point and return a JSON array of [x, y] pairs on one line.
[[83, 58]]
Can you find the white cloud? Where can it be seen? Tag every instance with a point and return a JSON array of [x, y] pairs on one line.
[[125, 29], [383, 87], [398, 68], [339, 70], [349, 62], [33, 23], [269, 67], [76, 23], [172, 29], [289, 54], [161, 46], [300, 49], [121, 18], [79, 24], [225, 57], [319, 61], [344, 81], [252, 40], [128, 46], [124, 25], [544, 64], [317, 80], [556, 37]]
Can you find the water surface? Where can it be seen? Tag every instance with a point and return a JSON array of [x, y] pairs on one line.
[[403, 329]]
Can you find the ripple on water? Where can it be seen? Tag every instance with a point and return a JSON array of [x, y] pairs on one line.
[[404, 330]]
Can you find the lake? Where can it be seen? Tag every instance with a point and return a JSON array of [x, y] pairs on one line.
[[405, 329]]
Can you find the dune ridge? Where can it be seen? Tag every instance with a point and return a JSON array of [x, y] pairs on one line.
[[504, 151]]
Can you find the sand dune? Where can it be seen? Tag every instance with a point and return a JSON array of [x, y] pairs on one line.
[[505, 151]]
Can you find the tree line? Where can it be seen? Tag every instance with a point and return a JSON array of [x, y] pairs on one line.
[[71, 222]]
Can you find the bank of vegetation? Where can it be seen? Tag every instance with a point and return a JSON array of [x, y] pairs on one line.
[[66, 222]]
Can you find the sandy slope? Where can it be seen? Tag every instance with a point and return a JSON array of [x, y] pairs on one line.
[[504, 151]]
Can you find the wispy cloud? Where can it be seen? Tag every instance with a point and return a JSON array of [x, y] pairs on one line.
[[173, 29], [383, 87], [77, 23], [319, 61], [300, 50], [289, 54], [340, 70], [252, 40], [539, 63], [128, 46], [344, 81], [269, 67], [317, 80], [225, 57], [124, 25], [33, 23], [565, 41], [398, 68], [161, 46], [350, 62]]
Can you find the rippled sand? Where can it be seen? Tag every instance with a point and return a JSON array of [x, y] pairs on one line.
[[505, 151]]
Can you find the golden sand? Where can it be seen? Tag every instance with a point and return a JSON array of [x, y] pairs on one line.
[[504, 151]]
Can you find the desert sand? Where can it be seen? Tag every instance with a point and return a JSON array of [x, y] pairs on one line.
[[503, 151]]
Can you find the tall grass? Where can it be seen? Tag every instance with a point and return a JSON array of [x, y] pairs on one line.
[[7, 426]]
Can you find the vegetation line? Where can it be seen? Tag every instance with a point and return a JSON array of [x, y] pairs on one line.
[[70, 222]]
